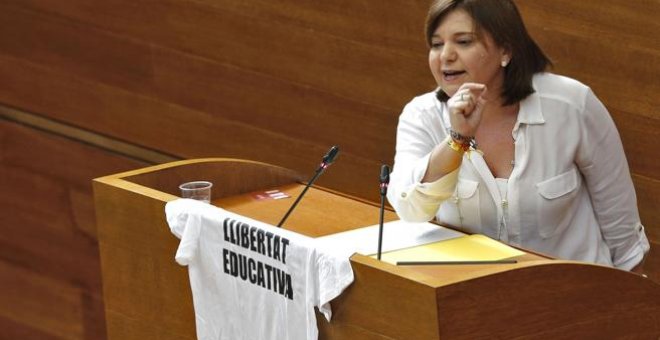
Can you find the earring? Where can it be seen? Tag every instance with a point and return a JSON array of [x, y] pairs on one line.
[[504, 63]]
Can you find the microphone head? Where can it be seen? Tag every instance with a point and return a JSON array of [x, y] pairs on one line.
[[331, 155], [384, 179], [384, 174]]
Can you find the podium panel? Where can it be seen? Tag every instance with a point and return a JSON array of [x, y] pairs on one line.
[[147, 294]]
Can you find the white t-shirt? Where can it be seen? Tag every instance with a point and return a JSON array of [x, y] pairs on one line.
[[250, 280]]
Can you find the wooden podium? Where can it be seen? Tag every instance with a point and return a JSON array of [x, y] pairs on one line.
[[147, 294]]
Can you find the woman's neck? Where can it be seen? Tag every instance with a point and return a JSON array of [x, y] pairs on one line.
[[494, 110]]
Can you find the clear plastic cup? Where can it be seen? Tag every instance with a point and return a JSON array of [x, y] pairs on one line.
[[197, 190]]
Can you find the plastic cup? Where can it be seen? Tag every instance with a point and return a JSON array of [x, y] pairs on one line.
[[197, 190]]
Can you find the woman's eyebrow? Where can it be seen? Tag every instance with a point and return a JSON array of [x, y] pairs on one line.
[[455, 34]]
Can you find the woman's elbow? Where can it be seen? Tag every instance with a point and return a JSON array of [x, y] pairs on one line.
[[413, 214]]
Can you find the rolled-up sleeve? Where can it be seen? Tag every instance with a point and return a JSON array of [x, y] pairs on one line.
[[417, 134]]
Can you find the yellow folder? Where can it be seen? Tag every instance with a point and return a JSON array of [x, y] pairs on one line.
[[464, 248]]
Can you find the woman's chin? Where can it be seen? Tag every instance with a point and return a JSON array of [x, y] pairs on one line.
[[449, 92]]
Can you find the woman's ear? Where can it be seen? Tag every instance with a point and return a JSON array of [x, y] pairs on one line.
[[506, 57]]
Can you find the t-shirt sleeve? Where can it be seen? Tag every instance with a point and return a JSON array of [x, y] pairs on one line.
[[185, 223], [334, 275]]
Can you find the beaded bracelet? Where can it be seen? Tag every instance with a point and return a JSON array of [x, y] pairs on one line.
[[460, 138], [458, 147]]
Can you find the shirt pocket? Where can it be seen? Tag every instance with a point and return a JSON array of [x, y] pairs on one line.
[[554, 200], [462, 209]]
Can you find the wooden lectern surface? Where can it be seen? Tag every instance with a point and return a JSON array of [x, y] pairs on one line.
[[147, 295], [343, 213], [319, 213]]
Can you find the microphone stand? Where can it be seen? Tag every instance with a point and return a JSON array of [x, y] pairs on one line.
[[384, 182], [318, 173], [327, 160]]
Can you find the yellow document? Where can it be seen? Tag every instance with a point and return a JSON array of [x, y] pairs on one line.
[[464, 248]]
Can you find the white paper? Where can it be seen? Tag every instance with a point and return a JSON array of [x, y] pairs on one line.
[[396, 235]]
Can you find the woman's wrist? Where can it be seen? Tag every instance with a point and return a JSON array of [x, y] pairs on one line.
[[460, 138], [457, 146], [459, 142]]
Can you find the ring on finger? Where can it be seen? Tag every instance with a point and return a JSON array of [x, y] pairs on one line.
[[462, 99]]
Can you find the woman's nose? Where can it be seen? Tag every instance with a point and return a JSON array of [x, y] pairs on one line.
[[448, 53]]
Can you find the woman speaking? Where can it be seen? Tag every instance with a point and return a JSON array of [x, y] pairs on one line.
[[506, 149]]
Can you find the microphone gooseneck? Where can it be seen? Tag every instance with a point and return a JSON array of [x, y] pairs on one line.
[[328, 159], [384, 183]]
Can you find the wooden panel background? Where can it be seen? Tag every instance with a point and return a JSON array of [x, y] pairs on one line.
[[277, 82]]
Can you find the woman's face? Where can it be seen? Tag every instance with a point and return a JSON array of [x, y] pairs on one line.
[[458, 55]]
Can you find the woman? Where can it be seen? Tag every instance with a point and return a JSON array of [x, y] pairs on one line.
[[504, 149]]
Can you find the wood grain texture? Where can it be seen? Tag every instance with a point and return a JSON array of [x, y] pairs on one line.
[[300, 150], [318, 45], [277, 82], [652, 262], [598, 303], [230, 70], [346, 214], [648, 202], [28, 296], [10, 329], [144, 287], [49, 263], [552, 298]]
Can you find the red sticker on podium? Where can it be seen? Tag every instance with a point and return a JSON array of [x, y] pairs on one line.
[[269, 195]]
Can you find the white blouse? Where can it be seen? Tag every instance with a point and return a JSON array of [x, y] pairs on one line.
[[570, 194]]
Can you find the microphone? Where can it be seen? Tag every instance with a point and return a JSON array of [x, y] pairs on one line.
[[384, 183], [328, 159], [384, 179]]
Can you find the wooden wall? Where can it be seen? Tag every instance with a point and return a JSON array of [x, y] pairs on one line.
[[89, 88]]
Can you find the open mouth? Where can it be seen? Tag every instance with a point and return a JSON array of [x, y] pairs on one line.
[[450, 75]]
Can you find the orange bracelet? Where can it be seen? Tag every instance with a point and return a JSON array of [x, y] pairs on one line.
[[458, 147]]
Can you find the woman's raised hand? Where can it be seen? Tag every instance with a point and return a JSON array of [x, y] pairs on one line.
[[465, 108]]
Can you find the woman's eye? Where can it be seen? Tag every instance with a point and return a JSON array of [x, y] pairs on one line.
[[465, 42], [437, 45]]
